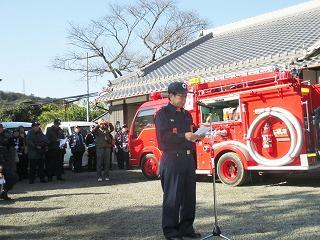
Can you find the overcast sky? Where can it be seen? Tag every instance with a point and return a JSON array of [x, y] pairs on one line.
[[33, 32]]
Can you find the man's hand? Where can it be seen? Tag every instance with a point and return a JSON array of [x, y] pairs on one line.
[[201, 137], [190, 136], [101, 122]]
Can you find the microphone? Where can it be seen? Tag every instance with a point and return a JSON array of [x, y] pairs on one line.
[[204, 105]]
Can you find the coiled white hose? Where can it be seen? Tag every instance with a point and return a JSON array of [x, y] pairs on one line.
[[295, 132]]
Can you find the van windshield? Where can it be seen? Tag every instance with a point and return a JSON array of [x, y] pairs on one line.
[[12, 126]]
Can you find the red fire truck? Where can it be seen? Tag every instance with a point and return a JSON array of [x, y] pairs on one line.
[[263, 122]]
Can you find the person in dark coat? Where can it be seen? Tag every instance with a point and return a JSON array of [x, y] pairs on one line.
[[111, 150], [8, 176], [37, 144], [25, 162], [77, 146], [55, 152], [174, 129], [125, 145], [20, 146], [122, 147], [92, 154], [118, 148]]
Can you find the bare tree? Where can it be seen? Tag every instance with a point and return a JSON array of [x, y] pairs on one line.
[[105, 40], [165, 28], [111, 41]]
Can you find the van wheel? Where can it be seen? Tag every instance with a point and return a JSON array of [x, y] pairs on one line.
[[150, 166], [230, 170], [71, 166]]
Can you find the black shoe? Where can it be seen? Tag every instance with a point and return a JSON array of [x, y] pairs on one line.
[[60, 179], [43, 181], [174, 238], [49, 179], [192, 235], [4, 196]]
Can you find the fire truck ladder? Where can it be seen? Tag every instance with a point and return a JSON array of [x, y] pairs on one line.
[[272, 82]]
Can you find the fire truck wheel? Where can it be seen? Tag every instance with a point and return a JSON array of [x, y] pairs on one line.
[[230, 169], [150, 166]]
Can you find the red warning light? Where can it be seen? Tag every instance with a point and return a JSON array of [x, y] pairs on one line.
[[155, 96]]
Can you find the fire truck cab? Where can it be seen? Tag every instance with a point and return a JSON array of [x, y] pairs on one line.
[[263, 122]]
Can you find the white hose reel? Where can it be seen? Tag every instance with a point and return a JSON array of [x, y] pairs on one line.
[[295, 132]]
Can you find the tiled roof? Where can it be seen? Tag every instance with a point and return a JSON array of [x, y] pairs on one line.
[[251, 45]]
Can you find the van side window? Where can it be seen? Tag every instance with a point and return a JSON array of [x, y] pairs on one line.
[[224, 110], [144, 119]]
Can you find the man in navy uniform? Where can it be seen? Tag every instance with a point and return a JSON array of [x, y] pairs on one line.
[[174, 127], [76, 142]]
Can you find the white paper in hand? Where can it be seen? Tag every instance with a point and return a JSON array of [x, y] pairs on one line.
[[62, 142], [202, 131], [2, 181]]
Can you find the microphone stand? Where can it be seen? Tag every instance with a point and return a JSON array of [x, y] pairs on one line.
[[216, 231]]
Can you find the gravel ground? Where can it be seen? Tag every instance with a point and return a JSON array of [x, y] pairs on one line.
[[129, 207]]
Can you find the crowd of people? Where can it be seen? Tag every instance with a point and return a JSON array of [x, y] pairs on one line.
[[35, 155], [175, 136]]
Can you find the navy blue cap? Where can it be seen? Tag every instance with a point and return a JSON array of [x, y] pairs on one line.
[[35, 123], [178, 87]]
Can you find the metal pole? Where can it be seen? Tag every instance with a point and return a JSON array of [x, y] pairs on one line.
[[88, 105], [214, 176], [216, 229]]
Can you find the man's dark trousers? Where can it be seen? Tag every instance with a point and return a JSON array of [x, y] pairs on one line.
[[36, 165], [92, 159], [120, 161], [53, 163], [22, 166], [77, 161], [178, 182]]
